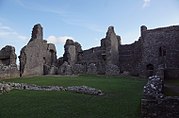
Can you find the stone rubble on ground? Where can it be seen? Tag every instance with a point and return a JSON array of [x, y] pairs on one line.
[[155, 104], [154, 88], [6, 87]]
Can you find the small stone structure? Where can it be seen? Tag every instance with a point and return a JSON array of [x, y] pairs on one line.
[[8, 67], [154, 104], [6, 87]]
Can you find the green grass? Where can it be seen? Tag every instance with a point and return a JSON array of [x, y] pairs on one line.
[[121, 99]]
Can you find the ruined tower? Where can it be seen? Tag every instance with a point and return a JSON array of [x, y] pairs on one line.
[[111, 44], [38, 57]]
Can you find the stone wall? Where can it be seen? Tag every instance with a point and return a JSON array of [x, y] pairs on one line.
[[159, 47], [155, 49], [93, 56], [163, 108], [130, 58], [7, 55], [8, 67], [155, 104], [106, 54], [37, 57], [171, 74]]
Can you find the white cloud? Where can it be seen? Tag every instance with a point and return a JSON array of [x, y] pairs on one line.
[[7, 33], [58, 40], [146, 3]]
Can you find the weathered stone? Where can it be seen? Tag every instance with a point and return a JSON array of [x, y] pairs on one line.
[[111, 45], [112, 69], [154, 88], [141, 58], [7, 55], [154, 104], [6, 87], [65, 69], [8, 67], [85, 90], [78, 69], [37, 33], [92, 69], [71, 51], [37, 55]]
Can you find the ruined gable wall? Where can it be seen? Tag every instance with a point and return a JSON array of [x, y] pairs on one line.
[[164, 38]]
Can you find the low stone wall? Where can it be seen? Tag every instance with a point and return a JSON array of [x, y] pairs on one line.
[[154, 104], [167, 107], [9, 71], [23, 86]]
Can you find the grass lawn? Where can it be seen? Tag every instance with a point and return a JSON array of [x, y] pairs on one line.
[[121, 99]]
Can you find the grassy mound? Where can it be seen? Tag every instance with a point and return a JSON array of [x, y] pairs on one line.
[[121, 99]]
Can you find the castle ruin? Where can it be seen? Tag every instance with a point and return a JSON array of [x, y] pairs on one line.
[[155, 53]]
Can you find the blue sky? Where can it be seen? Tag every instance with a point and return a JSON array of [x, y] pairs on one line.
[[85, 21]]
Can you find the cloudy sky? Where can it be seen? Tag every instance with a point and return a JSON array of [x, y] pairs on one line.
[[85, 21]]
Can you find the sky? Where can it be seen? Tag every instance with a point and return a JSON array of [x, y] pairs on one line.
[[84, 21]]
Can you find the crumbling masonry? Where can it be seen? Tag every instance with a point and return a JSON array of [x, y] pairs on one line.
[[37, 57], [8, 67], [155, 53]]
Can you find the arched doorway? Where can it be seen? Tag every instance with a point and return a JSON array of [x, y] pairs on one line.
[[150, 70]]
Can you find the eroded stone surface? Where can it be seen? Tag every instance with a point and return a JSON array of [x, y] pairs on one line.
[[38, 57], [6, 87], [8, 67], [154, 88], [155, 104]]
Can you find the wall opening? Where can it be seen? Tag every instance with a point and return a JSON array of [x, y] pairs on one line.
[[150, 70], [162, 51], [52, 52]]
